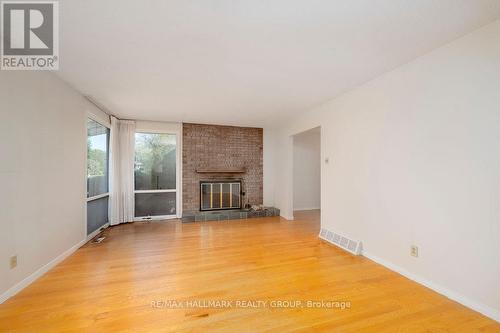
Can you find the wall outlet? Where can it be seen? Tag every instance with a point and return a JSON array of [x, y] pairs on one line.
[[13, 262], [414, 251]]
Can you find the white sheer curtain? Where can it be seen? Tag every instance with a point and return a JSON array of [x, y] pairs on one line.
[[122, 140]]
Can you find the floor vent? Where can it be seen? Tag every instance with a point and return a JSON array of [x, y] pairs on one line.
[[341, 241]]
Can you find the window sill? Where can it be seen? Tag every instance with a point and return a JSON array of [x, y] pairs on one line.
[[100, 196]]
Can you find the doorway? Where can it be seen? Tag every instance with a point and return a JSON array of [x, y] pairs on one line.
[[307, 174]]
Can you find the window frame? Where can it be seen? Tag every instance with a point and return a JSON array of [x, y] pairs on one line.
[[108, 126], [178, 172]]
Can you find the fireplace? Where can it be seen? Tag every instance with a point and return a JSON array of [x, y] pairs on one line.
[[220, 194]]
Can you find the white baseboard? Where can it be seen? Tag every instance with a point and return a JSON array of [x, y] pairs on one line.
[[307, 208], [481, 308], [96, 232], [287, 217], [39, 272], [154, 218]]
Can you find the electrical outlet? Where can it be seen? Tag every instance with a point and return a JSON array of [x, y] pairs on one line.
[[13, 262], [414, 251]]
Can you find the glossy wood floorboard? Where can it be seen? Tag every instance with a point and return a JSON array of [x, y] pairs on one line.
[[114, 286]]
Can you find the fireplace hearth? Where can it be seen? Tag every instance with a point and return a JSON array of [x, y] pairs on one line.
[[229, 215]]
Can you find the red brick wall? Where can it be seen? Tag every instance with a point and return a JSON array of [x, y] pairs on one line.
[[213, 146]]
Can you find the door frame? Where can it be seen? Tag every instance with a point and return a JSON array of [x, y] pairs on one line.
[[290, 176]]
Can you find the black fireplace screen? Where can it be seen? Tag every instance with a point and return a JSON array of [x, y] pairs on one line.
[[220, 195]]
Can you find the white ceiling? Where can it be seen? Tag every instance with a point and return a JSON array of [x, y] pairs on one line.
[[251, 62]]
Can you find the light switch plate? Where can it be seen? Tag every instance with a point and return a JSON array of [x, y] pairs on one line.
[[13, 262], [414, 251]]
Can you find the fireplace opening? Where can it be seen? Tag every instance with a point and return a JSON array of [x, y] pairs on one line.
[[220, 194]]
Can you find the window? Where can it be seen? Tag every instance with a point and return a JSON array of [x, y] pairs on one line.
[[97, 158], [97, 175], [155, 174]]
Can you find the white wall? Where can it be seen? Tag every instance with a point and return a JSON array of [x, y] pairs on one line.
[[306, 170], [42, 173], [415, 159]]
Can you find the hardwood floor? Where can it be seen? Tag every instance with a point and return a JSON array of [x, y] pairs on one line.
[[118, 285]]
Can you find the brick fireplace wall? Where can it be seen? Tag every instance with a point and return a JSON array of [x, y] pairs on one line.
[[221, 147]]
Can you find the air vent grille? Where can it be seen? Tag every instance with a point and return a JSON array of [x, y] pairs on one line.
[[343, 242], [336, 239]]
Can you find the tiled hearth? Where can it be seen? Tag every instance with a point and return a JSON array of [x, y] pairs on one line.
[[224, 215]]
